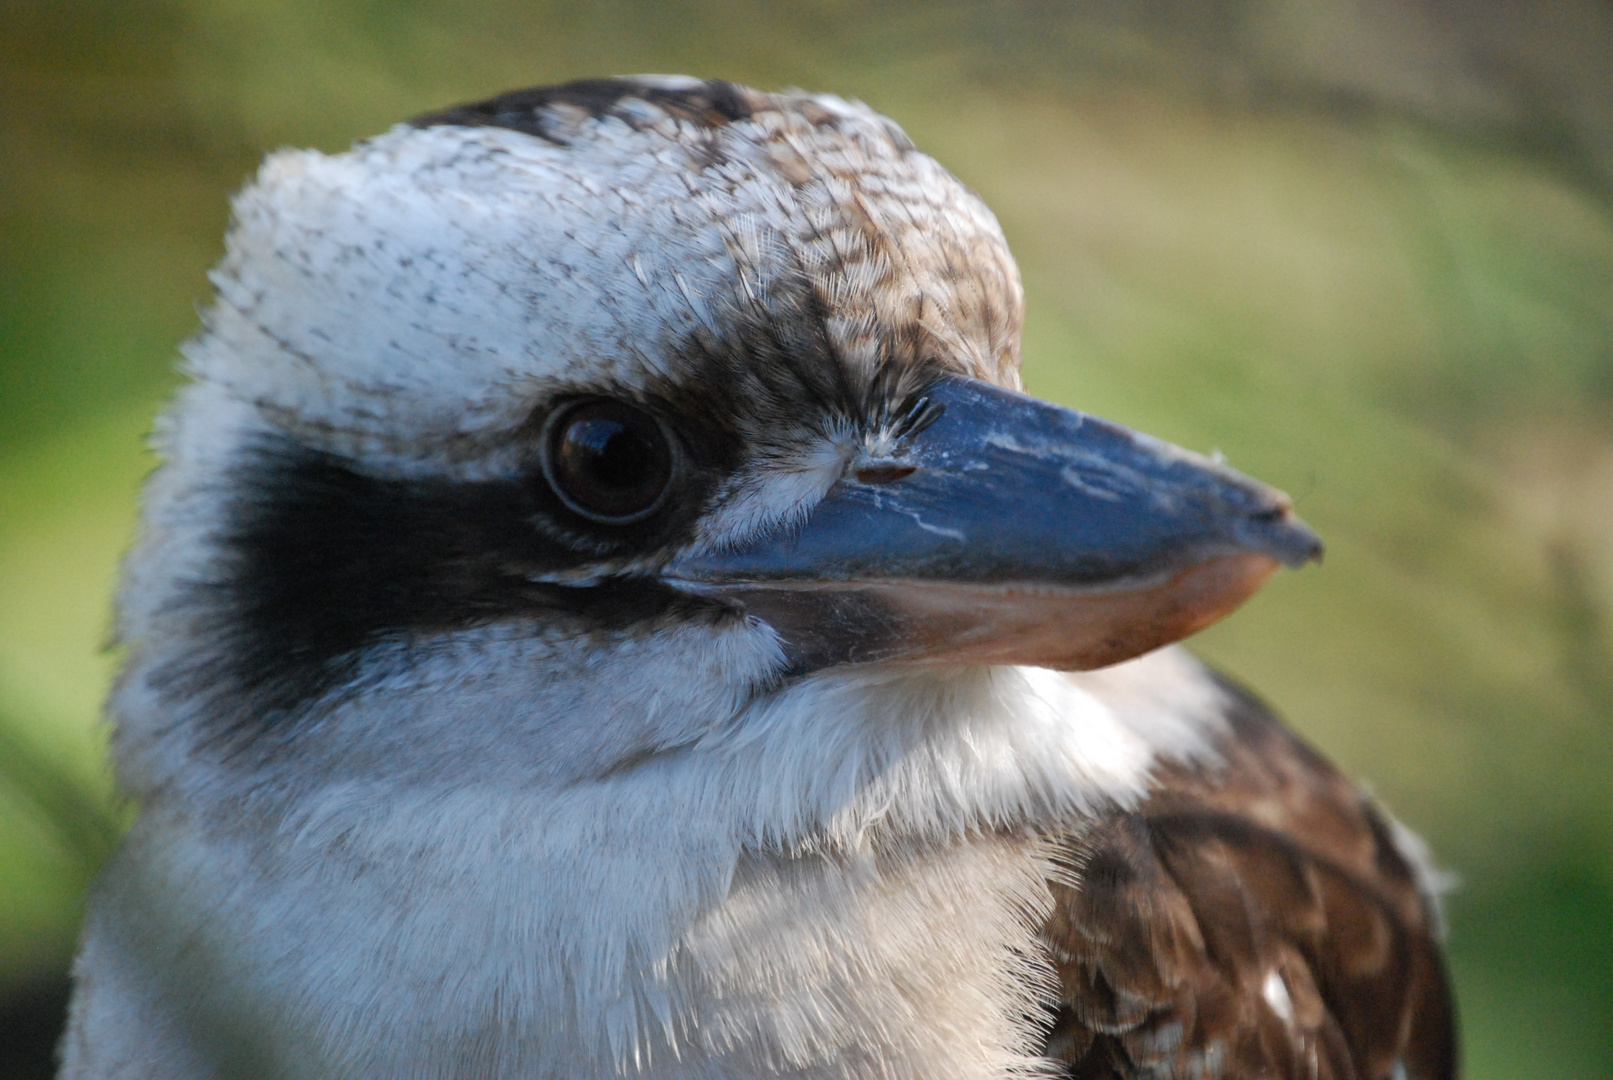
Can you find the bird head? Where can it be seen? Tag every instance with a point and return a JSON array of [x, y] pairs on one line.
[[630, 398]]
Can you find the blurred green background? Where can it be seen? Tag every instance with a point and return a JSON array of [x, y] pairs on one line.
[[1363, 247]]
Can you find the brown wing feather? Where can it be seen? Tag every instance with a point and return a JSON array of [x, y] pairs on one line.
[[1254, 919]]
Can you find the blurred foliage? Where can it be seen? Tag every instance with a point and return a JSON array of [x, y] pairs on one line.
[[1364, 247]]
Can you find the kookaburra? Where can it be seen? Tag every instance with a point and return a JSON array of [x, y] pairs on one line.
[[607, 610]]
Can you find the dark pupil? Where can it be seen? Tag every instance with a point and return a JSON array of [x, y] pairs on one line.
[[606, 454], [610, 461]]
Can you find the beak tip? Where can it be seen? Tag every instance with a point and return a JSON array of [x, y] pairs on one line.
[[1270, 527], [1292, 542]]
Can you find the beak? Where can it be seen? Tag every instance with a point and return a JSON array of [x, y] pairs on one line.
[[1008, 530]]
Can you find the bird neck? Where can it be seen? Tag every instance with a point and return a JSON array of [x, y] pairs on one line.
[[608, 907]]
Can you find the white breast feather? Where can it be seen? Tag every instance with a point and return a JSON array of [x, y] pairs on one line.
[[768, 897]]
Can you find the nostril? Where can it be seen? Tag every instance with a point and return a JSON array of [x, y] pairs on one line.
[[882, 474]]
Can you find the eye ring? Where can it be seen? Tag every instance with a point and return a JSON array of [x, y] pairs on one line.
[[608, 461]]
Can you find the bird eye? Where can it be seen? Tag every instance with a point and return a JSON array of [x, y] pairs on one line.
[[608, 461]]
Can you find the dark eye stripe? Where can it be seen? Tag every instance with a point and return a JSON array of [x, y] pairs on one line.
[[320, 563]]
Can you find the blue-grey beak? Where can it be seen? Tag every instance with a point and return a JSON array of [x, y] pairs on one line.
[[1004, 529]]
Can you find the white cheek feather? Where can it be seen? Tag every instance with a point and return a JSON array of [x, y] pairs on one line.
[[776, 493]]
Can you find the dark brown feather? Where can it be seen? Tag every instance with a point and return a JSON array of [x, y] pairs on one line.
[[1252, 918]]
